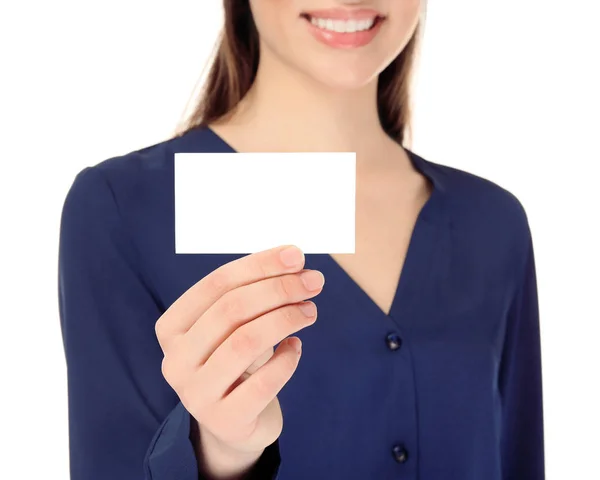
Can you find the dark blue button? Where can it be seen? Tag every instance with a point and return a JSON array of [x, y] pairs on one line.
[[393, 341], [400, 453]]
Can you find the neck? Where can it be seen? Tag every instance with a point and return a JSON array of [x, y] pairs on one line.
[[288, 111]]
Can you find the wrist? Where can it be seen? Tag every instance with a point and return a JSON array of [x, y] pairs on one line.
[[220, 461]]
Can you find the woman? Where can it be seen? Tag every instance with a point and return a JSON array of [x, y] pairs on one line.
[[425, 360]]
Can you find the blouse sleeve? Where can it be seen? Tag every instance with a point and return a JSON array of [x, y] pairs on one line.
[[522, 431], [125, 423]]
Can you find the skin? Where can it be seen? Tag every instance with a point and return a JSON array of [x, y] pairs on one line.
[[218, 337], [218, 342]]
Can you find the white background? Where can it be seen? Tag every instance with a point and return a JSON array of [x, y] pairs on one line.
[[507, 90]]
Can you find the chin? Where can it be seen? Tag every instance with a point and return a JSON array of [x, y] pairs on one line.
[[344, 78]]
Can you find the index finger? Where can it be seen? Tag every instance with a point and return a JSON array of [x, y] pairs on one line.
[[184, 312]]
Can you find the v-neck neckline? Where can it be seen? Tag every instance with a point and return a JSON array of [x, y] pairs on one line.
[[419, 255]]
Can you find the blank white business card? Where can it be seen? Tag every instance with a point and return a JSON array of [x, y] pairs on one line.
[[241, 203]]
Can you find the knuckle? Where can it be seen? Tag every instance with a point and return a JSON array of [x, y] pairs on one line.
[[244, 342], [289, 315], [173, 373], [158, 329], [168, 370], [218, 280], [283, 288], [259, 266], [231, 306], [263, 386]]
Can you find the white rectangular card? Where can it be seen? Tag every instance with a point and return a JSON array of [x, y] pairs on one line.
[[240, 203]]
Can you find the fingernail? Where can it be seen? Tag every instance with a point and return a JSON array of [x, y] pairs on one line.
[[308, 309], [312, 279], [291, 256]]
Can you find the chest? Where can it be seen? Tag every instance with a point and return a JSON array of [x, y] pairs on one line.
[[384, 225]]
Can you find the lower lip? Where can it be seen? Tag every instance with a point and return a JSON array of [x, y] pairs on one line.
[[344, 40]]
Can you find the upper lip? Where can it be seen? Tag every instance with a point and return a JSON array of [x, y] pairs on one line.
[[344, 14]]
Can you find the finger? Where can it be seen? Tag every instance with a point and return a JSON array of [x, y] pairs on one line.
[[182, 314], [241, 349], [242, 305], [246, 402], [259, 362]]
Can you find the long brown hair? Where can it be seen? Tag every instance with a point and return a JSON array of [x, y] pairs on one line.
[[235, 64]]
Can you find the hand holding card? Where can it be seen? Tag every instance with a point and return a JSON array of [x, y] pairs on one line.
[[217, 339]]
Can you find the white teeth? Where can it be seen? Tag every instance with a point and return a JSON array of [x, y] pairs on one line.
[[365, 24], [342, 26]]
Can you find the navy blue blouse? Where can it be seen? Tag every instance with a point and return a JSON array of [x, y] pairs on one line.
[[446, 386]]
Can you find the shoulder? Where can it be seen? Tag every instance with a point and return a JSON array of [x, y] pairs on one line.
[[138, 177], [136, 165], [472, 198], [488, 218]]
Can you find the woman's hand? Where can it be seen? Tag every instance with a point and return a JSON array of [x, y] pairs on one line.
[[218, 340]]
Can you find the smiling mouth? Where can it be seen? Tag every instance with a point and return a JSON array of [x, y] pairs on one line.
[[343, 26]]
